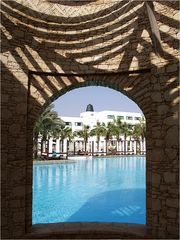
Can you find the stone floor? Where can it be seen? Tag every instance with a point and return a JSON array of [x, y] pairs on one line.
[[91, 230]]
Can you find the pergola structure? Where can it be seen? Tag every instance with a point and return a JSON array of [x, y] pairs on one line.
[[50, 47]]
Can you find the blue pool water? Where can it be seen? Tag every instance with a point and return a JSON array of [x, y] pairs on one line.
[[90, 190]]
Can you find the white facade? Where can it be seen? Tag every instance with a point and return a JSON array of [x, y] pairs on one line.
[[90, 118]]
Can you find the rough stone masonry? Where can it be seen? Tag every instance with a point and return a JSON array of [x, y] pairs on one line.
[[51, 47]]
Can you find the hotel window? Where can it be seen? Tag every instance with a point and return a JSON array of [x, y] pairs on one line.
[[120, 117], [110, 116], [78, 123], [129, 118], [68, 123], [137, 118]]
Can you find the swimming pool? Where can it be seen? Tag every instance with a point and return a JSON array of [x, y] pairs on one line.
[[107, 189]]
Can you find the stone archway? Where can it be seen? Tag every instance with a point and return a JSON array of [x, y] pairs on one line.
[[134, 84]]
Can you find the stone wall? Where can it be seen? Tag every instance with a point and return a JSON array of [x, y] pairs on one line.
[[51, 47]]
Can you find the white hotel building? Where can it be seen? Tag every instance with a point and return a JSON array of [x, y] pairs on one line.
[[90, 118]]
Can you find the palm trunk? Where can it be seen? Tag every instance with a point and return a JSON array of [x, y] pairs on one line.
[[42, 143], [85, 145], [67, 149], [74, 152], [119, 146], [97, 146], [137, 142], [48, 147], [142, 143], [108, 151], [98, 139], [106, 147], [125, 144], [60, 145], [35, 148], [62, 141], [92, 148]]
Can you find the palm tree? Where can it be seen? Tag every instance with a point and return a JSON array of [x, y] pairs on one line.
[[139, 130], [45, 126], [111, 130], [84, 133], [126, 131], [118, 129], [61, 132], [98, 131], [69, 134], [50, 126]]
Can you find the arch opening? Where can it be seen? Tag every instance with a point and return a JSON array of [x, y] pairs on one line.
[[124, 149]]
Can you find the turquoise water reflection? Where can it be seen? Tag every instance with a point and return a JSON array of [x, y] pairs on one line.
[[98, 189]]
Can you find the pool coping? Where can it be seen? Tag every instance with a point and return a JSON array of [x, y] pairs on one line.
[[87, 230], [53, 161], [75, 158]]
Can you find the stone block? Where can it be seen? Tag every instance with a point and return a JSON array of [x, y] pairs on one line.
[[6, 114], [156, 179], [156, 205], [172, 68], [171, 153], [145, 34], [169, 177], [18, 191], [172, 202], [176, 101], [164, 28], [162, 109], [172, 137], [170, 94], [173, 120], [14, 129], [177, 16], [173, 231], [21, 108], [19, 216], [171, 213], [178, 35], [156, 97]]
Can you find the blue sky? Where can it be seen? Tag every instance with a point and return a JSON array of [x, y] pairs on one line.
[[102, 98]]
